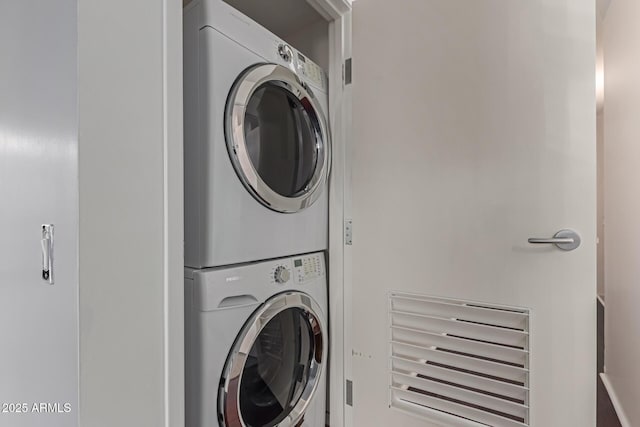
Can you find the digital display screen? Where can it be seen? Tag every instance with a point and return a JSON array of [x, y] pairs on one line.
[[297, 262]]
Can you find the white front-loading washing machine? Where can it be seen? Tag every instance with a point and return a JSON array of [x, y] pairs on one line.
[[256, 344], [257, 150]]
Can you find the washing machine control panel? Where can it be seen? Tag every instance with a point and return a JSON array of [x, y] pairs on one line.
[[281, 274], [307, 267]]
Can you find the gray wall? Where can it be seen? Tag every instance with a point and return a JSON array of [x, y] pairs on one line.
[[38, 184], [602, 7], [130, 170], [622, 206], [600, 208]]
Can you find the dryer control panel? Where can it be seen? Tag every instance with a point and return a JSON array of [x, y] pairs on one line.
[[308, 267], [305, 68], [310, 70]]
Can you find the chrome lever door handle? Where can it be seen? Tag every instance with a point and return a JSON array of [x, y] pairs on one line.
[[567, 240], [553, 241]]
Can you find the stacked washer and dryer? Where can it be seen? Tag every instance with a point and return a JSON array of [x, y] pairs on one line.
[[257, 160]]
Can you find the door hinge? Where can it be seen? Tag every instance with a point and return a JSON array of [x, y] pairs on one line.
[[348, 232], [349, 393], [346, 72]]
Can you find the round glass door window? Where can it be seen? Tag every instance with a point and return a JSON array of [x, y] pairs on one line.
[[275, 365], [277, 138]]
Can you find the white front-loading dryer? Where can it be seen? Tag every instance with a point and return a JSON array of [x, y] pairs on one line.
[[256, 344], [257, 150]]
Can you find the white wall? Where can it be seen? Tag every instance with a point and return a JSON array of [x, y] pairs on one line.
[[602, 6], [600, 209], [313, 41], [622, 204], [130, 172], [38, 184]]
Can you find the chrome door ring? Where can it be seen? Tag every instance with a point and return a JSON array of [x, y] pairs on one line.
[[229, 411], [245, 86]]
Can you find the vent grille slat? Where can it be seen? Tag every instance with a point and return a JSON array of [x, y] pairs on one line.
[[498, 370], [465, 379], [457, 326], [476, 416], [483, 400], [429, 339], [474, 312], [464, 362]]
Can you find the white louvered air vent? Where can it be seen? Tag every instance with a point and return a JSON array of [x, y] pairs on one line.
[[459, 363]]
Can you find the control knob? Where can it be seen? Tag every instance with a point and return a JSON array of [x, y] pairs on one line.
[[281, 274], [285, 52]]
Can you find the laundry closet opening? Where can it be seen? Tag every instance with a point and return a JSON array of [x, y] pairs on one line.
[[257, 159]]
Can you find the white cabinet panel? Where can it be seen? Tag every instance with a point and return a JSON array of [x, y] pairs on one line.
[[38, 184]]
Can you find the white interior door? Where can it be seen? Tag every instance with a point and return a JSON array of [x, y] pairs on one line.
[[474, 130]]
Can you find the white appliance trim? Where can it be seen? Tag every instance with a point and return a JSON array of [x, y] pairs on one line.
[[173, 217]]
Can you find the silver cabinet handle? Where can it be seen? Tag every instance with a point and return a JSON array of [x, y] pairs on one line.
[[567, 240], [47, 252]]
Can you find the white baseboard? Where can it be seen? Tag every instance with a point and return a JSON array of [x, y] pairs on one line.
[[617, 405]]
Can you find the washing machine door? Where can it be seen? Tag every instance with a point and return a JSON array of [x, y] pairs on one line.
[[277, 138], [274, 367]]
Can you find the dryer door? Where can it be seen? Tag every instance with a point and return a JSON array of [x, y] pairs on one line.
[[275, 365], [277, 138]]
